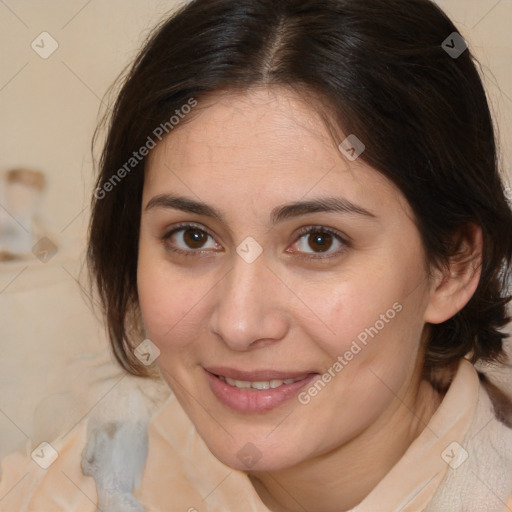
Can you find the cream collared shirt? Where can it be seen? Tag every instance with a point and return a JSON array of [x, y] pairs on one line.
[[181, 474]]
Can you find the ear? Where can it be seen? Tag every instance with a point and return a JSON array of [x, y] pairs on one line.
[[454, 285]]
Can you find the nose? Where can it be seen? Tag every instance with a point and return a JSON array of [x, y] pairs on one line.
[[250, 306]]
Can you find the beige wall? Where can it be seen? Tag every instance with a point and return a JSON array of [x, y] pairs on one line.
[[486, 26], [49, 107], [54, 358]]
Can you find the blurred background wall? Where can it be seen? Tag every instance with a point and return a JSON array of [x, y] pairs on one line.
[[52, 348], [54, 359]]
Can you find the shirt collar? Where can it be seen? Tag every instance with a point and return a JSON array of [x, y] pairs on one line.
[[414, 479]]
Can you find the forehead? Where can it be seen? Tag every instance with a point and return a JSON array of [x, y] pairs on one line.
[[255, 128], [260, 144]]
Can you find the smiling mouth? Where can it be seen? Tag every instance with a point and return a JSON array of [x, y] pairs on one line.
[[255, 391], [261, 385]]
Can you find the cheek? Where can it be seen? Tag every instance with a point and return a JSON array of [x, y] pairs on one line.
[[369, 362], [356, 310], [168, 301], [375, 323]]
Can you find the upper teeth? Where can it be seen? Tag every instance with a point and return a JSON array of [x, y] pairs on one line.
[[265, 384]]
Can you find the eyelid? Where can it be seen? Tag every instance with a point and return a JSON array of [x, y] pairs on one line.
[[183, 225], [323, 229]]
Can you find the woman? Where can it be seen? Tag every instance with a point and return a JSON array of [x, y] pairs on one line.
[[299, 210]]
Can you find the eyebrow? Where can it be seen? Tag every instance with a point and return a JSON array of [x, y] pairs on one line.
[[278, 214]]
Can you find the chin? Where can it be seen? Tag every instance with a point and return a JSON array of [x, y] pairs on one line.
[[256, 456]]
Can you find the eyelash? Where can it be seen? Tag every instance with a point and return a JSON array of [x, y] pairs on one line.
[[303, 231]]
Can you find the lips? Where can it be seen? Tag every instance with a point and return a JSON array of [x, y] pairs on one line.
[[255, 398]]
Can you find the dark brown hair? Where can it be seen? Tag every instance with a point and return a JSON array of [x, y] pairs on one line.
[[381, 67]]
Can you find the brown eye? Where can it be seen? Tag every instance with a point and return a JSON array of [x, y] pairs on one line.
[[189, 239], [320, 242], [194, 238], [316, 240]]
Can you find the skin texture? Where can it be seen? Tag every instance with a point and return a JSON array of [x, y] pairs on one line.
[[245, 154]]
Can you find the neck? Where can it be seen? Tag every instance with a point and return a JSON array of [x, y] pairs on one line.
[[343, 477]]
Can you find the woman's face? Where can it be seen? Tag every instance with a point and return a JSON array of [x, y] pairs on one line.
[[281, 259]]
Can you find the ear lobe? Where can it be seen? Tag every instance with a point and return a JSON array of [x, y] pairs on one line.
[[455, 284]]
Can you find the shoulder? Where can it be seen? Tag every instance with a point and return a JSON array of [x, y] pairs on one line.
[[48, 477], [482, 479], [180, 465]]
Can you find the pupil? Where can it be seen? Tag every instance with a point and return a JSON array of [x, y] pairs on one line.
[[194, 238], [323, 241]]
